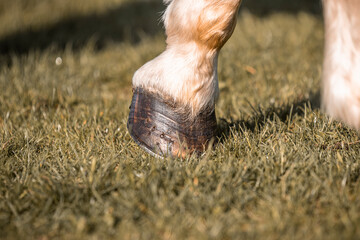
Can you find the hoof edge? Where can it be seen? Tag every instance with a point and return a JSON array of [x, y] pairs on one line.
[[162, 128]]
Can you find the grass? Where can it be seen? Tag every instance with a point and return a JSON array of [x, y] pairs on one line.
[[69, 169]]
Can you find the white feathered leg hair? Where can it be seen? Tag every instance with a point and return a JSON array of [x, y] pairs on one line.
[[341, 67]]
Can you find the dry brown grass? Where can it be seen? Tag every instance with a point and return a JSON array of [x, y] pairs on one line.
[[69, 169]]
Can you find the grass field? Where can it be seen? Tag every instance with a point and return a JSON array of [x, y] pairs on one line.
[[69, 169]]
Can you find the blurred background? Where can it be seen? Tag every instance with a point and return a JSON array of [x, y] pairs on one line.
[[27, 25]]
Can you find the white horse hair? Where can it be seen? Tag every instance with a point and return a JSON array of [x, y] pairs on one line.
[[341, 69], [197, 29], [187, 69]]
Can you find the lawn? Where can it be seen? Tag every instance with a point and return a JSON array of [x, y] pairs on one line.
[[69, 169]]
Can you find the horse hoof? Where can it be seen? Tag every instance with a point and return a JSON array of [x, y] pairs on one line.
[[158, 126]]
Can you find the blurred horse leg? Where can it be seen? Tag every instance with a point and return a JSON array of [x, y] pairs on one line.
[[341, 66]]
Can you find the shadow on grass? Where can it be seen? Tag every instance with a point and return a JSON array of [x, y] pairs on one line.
[[260, 118], [129, 22], [262, 8]]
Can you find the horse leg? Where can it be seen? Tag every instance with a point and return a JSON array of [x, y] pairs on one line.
[[341, 66], [173, 107]]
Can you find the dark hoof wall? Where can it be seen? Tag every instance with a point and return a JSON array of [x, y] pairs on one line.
[[161, 129]]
